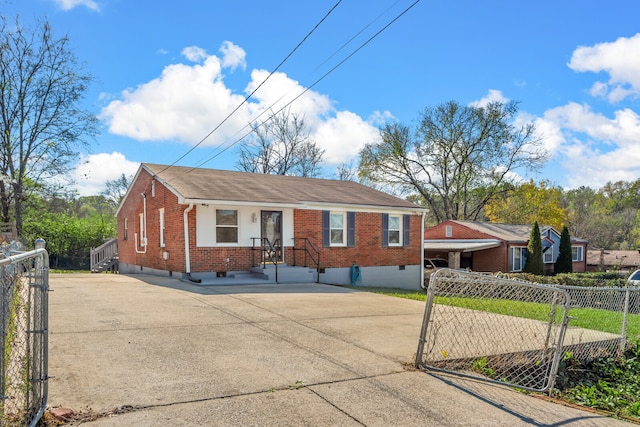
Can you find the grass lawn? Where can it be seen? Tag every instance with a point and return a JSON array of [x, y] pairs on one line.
[[588, 318]]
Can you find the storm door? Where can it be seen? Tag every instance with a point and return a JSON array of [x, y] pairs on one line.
[[271, 233]]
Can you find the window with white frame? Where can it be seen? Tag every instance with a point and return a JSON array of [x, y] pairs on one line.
[[161, 220], [518, 256], [226, 226], [126, 229], [548, 255], [577, 253], [448, 231], [337, 228], [395, 230]]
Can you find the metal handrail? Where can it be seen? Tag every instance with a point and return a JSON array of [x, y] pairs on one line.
[[315, 259], [268, 252]]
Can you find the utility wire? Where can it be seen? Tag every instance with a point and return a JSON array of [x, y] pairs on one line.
[[257, 88], [312, 85], [273, 104]]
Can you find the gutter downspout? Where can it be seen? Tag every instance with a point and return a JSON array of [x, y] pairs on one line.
[[422, 284], [187, 259]]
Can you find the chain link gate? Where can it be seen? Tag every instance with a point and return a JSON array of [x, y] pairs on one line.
[[24, 324], [472, 327], [515, 332]]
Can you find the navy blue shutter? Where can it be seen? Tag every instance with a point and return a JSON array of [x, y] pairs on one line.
[[407, 230], [351, 229], [385, 230], [326, 229]]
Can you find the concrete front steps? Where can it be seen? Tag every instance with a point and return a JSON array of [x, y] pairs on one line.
[[257, 275]]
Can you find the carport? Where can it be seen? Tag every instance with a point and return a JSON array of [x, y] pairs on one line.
[[453, 250]]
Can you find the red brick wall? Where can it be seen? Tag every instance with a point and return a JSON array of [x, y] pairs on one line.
[[368, 250], [495, 259], [458, 231], [174, 240]]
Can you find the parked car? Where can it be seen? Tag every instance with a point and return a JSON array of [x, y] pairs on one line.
[[435, 263], [431, 265], [634, 279]]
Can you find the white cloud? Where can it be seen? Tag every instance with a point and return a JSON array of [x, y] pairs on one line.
[[594, 149], [187, 101], [280, 90], [343, 136], [94, 170], [70, 4], [233, 56], [194, 53], [492, 96], [619, 59]]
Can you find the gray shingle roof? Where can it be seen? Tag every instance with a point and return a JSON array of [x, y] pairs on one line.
[[509, 232], [199, 184]]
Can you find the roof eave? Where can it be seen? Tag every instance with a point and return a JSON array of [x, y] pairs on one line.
[[302, 205]]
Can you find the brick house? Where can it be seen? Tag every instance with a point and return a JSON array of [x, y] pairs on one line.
[[613, 260], [489, 247], [201, 224]]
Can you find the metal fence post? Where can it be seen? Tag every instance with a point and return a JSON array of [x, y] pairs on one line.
[[625, 316]]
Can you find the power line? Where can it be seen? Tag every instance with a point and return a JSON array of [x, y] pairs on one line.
[[257, 88], [219, 150], [313, 84]]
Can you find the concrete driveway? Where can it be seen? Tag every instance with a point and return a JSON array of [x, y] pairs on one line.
[[149, 351]]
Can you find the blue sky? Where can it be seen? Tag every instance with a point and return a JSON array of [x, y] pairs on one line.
[[167, 73]]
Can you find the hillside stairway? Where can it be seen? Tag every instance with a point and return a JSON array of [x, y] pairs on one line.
[[105, 257]]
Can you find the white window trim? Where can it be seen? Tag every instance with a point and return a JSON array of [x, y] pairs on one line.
[[400, 231], [550, 253], [520, 250], [237, 227], [580, 254], [448, 231], [161, 220], [344, 229], [126, 229]]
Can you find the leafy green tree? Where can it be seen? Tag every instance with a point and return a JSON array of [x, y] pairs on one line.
[[564, 262], [527, 203], [71, 227], [534, 264], [41, 111], [457, 159], [607, 217]]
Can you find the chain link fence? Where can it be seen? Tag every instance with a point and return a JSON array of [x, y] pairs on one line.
[[515, 332], [24, 311]]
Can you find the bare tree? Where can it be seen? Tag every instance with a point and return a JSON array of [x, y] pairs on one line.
[[281, 146], [457, 159], [346, 172], [115, 189], [40, 109]]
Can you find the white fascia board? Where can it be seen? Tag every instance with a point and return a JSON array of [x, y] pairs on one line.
[[361, 208], [126, 195], [184, 201], [309, 206]]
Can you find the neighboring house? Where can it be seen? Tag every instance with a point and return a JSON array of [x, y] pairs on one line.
[[483, 246], [610, 260], [197, 223]]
